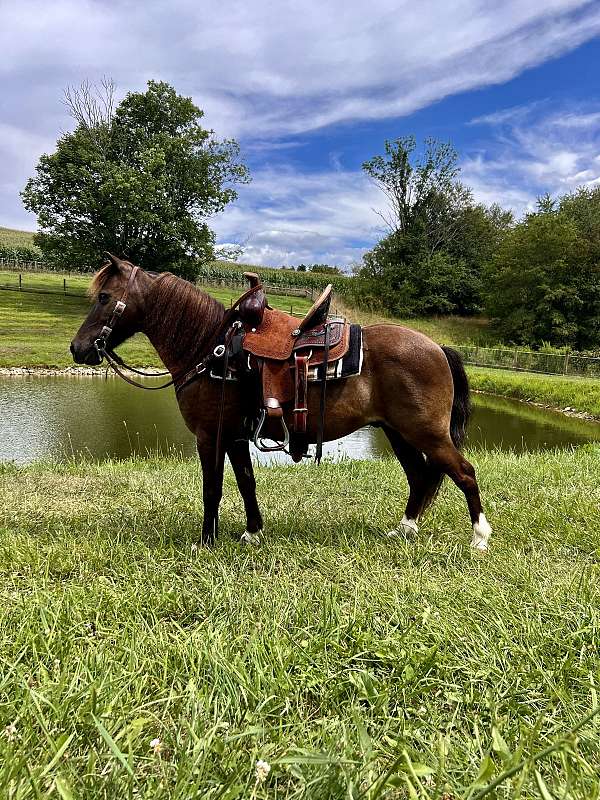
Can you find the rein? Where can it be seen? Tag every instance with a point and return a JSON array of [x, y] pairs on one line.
[[212, 350]]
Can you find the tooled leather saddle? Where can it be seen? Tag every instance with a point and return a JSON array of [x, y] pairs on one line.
[[282, 348]]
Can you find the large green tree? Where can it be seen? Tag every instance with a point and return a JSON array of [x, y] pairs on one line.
[[431, 260], [139, 179], [543, 283]]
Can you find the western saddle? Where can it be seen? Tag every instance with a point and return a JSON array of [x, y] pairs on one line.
[[283, 349]]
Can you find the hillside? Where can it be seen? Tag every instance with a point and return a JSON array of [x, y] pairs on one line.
[[9, 237]]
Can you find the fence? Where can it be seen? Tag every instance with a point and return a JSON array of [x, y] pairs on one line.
[[529, 361], [68, 285], [17, 265], [24, 283]]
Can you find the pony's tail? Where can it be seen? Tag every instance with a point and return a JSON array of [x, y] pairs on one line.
[[461, 405]]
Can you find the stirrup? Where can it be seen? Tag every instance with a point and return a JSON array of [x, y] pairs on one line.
[[260, 442]]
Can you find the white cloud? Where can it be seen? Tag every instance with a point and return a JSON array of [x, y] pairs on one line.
[[285, 218], [262, 68]]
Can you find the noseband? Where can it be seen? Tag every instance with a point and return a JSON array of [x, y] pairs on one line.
[[111, 357]]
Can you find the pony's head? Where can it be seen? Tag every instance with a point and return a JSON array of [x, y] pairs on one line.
[[116, 281]]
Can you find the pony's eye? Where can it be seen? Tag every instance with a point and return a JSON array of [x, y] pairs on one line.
[[103, 298]]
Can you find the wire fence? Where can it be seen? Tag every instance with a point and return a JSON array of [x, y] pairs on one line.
[[531, 361], [45, 283], [242, 284], [21, 265]]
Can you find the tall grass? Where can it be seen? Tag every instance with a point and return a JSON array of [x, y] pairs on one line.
[[9, 237], [354, 665]]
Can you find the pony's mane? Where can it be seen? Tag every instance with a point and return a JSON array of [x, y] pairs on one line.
[[186, 316]]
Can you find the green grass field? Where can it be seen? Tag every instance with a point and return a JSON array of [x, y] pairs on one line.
[[36, 329], [354, 665], [449, 330], [582, 394]]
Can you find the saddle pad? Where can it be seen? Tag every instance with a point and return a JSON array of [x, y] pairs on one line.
[[346, 367]]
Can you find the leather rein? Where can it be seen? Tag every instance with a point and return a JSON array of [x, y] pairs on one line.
[[115, 361]]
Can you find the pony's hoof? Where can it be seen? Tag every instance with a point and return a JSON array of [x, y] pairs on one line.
[[481, 535], [407, 527], [250, 538]]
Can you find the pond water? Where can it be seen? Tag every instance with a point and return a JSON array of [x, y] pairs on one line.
[[56, 417]]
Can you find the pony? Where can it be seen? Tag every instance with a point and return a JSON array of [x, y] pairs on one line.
[[414, 389]]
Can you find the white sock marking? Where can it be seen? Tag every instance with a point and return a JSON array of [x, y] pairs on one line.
[[250, 538], [407, 527], [481, 534]]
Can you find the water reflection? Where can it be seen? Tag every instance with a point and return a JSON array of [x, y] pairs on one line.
[[50, 417]]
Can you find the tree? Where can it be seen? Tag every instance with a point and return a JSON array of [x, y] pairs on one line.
[[138, 179], [543, 283], [432, 258], [423, 192]]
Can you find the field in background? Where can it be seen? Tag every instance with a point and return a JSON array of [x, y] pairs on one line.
[[36, 329], [9, 237], [355, 665]]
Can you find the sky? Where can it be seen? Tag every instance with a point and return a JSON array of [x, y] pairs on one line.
[[311, 89]]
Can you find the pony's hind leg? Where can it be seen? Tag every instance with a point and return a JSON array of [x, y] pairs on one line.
[[424, 479], [456, 466]]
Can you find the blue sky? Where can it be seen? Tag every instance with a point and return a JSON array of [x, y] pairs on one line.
[[312, 89]]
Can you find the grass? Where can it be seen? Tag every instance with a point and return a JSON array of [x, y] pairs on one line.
[[581, 394], [449, 330], [356, 666], [36, 329]]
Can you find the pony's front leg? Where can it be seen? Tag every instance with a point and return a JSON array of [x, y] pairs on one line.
[[239, 455], [212, 486]]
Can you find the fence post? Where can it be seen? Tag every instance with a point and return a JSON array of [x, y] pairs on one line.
[[65, 285], [20, 281], [566, 367]]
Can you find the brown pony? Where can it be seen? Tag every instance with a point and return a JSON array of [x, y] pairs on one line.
[[411, 387]]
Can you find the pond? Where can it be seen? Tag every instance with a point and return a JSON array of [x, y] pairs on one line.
[[57, 417]]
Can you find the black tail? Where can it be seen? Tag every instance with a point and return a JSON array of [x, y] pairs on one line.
[[461, 405]]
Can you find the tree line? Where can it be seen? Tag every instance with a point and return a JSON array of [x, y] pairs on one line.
[[538, 278], [141, 178]]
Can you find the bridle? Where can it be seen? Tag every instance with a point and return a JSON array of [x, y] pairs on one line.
[[111, 357], [212, 351]]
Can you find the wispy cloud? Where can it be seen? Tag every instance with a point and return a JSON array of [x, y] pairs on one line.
[[535, 149]]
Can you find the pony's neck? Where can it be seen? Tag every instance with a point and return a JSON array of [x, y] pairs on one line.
[[180, 322]]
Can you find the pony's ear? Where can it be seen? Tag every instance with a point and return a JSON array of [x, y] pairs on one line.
[[116, 262]]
